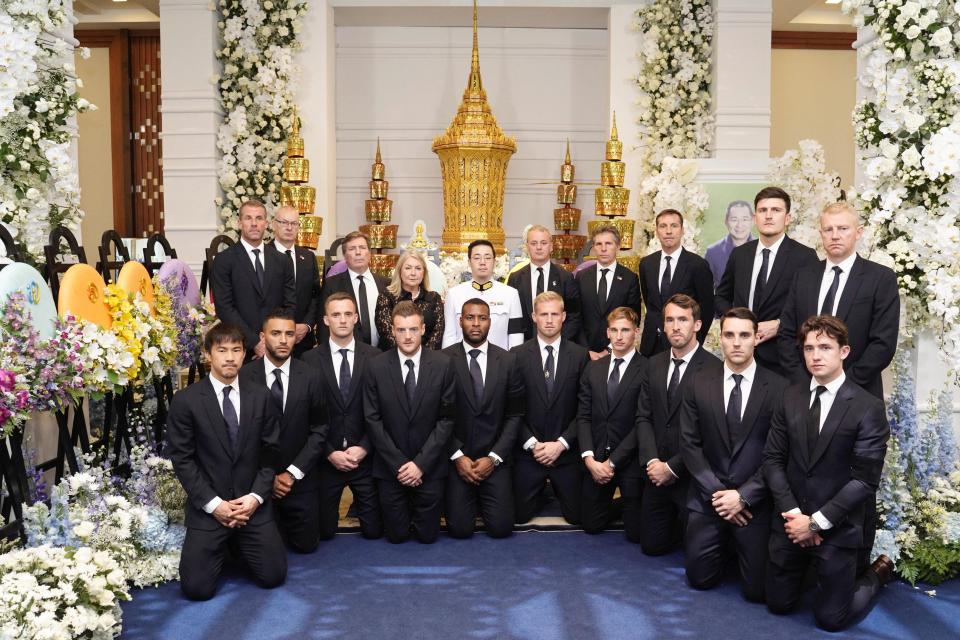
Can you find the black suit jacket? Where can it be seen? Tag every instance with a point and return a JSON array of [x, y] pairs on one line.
[[715, 461], [869, 306], [205, 464], [608, 428], [341, 282], [237, 295], [402, 432], [841, 474], [493, 423], [692, 276], [658, 424], [303, 425], [345, 416], [307, 282], [623, 291], [552, 416], [560, 281], [734, 288]]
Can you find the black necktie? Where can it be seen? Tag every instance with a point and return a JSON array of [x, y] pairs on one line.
[[548, 369], [733, 408], [258, 266], [410, 383], [476, 374], [293, 261], [344, 374], [761, 279], [827, 308], [276, 389], [813, 421], [539, 280], [614, 380], [230, 417], [364, 311], [674, 380], [602, 289], [665, 280]]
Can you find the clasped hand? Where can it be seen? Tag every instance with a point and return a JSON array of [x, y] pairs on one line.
[[237, 512], [728, 506], [474, 471], [546, 453]]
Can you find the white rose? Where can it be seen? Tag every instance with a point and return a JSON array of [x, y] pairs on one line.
[[912, 32], [941, 37], [84, 530]]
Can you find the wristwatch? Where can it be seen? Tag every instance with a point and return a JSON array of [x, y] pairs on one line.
[[814, 526], [495, 460]]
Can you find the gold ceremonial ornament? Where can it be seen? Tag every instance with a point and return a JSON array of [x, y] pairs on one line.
[[383, 264], [566, 218], [294, 193], [625, 227], [474, 153], [611, 199], [630, 262], [378, 210]]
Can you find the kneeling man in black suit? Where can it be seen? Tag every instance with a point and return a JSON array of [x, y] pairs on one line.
[[408, 402], [724, 422], [823, 461], [488, 411], [222, 439]]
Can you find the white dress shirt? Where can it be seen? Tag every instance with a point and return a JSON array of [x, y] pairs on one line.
[[370, 284], [482, 361], [337, 358], [218, 387], [531, 442], [758, 263], [827, 280], [253, 259], [623, 367], [504, 303], [611, 271], [534, 274], [284, 370], [674, 257], [293, 255], [749, 374], [416, 364]]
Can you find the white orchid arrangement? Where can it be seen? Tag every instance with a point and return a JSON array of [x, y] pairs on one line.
[[676, 49], [803, 173], [258, 42], [908, 139], [39, 187], [675, 187]]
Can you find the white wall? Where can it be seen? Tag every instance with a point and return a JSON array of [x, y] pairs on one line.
[[404, 84]]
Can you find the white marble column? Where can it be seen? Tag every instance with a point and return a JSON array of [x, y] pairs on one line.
[[741, 92], [191, 115]]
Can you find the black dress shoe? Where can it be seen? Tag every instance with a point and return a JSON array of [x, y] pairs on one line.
[[883, 568]]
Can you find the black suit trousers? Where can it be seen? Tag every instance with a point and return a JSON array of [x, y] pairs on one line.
[[597, 504], [411, 507], [663, 517], [493, 498], [529, 478], [841, 597], [201, 559], [298, 519], [706, 544], [364, 490]]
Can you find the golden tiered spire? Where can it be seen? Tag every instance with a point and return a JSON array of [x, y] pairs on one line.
[[474, 153], [379, 209], [566, 218], [295, 192], [611, 198]]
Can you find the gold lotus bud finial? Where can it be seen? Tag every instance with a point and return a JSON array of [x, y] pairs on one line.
[[613, 129], [614, 146], [567, 169], [378, 171], [295, 142], [566, 159], [475, 85]]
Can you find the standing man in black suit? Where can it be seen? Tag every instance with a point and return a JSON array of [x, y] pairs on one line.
[[543, 275], [609, 390], [723, 427], [363, 285], [863, 294], [295, 389], [666, 272], [823, 461], [551, 368], [489, 407], [408, 402], [663, 507], [759, 272], [343, 362], [604, 287], [286, 222], [222, 437], [248, 281]]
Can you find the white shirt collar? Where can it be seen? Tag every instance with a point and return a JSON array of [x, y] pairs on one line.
[[282, 249], [335, 348], [612, 266], [773, 248], [832, 387], [545, 266], [555, 344], [269, 368], [483, 348], [354, 274], [626, 359], [749, 373], [249, 247], [687, 358], [218, 386], [846, 265], [415, 357], [674, 255]]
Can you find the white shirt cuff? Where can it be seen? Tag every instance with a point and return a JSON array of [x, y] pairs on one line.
[[586, 454], [211, 506], [529, 444], [496, 457], [794, 510], [564, 443], [296, 473], [821, 521], [671, 471], [458, 454], [259, 499]]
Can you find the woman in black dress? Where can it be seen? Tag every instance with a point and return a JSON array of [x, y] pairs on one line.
[[410, 282]]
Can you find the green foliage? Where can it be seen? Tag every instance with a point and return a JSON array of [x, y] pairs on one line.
[[930, 561]]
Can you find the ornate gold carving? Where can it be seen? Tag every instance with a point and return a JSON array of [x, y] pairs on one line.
[[625, 227], [383, 264], [566, 219], [382, 236], [302, 197], [566, 246], [630, 262]]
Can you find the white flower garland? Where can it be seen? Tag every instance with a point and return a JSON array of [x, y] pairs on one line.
[[676, 49], [259, 39], [39, 187], [908, 139]]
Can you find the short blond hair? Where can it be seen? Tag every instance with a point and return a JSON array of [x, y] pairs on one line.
[[547, 296], [841, 206], [396, 287]]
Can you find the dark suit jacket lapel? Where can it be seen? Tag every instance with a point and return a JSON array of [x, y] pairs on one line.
[[565, 358], [679, 272], [525, 290], [837, 411], [553, 283], [758, 393], [215, 416], [359, 365], [850, 288], [719, 411], [393, 364], [244, 258], [651, 274], [616, 285], [776, 271], [426, 372], [246, 423], [463, 373], [742, 291], [589, 292], [628, 375], [491, 378], [658, 384], [538, 381], [327, 371]]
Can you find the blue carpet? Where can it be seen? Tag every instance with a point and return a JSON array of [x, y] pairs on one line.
[[537, 585]]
